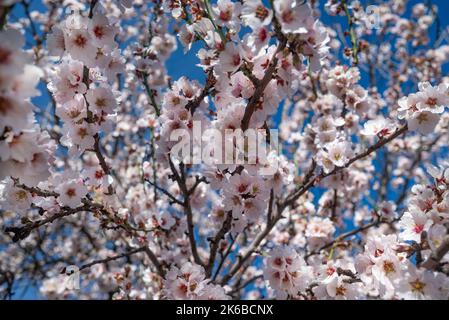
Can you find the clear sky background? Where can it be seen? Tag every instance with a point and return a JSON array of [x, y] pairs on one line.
[[181, 64]]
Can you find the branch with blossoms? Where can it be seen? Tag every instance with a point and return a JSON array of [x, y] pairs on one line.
[[305, 159]]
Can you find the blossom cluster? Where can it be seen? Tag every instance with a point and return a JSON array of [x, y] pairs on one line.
[[25, 149]]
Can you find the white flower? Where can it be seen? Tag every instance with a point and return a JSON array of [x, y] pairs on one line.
[[413, 224], [101, 99], [424, 122], [12, 58], [165, 220], [13, 198], [101, 32], [14, 113], [20, 148], [96, 177], [255, 14], [387, 209], [319, 231], [385, 271], [378, 127], [227, 13], [190, 283], [73, 110], [80, 46], [422, 109], [432, 99], [55, 41], [418, 284], [80, 136], [340, 289], [71, 192], [67, 80], [338, 152], [294, 16], [286, 271], [230, 59]]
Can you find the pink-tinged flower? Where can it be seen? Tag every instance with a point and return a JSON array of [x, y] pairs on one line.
[[407, 106], [339, 152], [164, 220], [229, 59], [380, 127], [413, 224], [29, 173], [14, 113], [189, 283], [79, 45], [286, 271], [187, 36], [96, 177], [101, 100], [253, 209], [100, 31], [241, 86], [73, 110], [56, 41], [257, 40], [432, 99], [14, 199], [339, 288], [319, 231], [423, 121], [71, 192], [418, 284], [387, 209], [79, 136], [115, 64], [227, 14], [67, 80], [12, 58], [255, 14], [20, 147], [24, 85], [294, 16]]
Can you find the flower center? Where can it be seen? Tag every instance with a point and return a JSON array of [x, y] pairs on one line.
[[236, 60], [417, 286], [225, 15], [99, 174], [388, 267], [82, 132], [340, 291], [241, 188], [422, 117], [418, 228], [261, 12], [287, 16], [99, 32], [71, 192], [432, 102], [100, 102], [21, 195], [80, 41]]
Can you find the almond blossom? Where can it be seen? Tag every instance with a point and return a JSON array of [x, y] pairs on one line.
[[226, 149]]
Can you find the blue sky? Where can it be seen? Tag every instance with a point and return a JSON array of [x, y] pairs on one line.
[[181, 64]]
